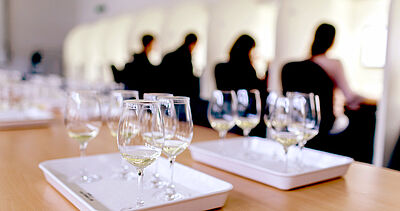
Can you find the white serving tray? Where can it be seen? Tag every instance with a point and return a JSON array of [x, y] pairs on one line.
[[204, 191], [265, 163], [29, 118]]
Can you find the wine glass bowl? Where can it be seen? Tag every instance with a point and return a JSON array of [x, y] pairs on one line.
[[248, 109], [83, 120]]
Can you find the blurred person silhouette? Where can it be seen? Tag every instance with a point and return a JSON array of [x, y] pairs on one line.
[[177, 71], [137, 73], [321, 75], [177, 78], [239, 73], [36, 66]]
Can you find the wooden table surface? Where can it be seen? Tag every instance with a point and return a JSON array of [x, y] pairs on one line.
[[23, 186]]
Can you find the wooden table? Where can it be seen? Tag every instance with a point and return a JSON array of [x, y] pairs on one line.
[[23, 186]]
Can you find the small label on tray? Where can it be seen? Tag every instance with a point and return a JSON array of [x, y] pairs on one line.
[[87, 195]]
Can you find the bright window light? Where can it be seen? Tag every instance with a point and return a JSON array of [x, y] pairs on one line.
[[373, 46]]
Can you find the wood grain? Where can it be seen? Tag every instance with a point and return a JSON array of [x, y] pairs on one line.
[[23, 186]]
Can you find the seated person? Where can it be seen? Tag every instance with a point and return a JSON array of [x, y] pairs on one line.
[[137, 74], [321, 75], [239, 73]]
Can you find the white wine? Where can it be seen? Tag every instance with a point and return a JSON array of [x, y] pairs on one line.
[[174, 147], [82, 137], [279, 124], [154, 139], [247, 123], [140, 156], [309, 134], [222, 125], [285, 138]]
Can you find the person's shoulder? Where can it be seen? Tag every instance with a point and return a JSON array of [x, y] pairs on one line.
[[221, 67]]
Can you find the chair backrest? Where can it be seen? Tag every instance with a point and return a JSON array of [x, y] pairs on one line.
[[307, 76]]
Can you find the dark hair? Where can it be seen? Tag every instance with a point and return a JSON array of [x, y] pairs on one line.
[[36, 57], [323, 40], [241, 49], [146, 40], [189, 39]]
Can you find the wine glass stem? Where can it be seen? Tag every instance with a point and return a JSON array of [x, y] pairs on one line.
[[171, 165], [222, 135], [139, 199], [285, 159], [82, 150]]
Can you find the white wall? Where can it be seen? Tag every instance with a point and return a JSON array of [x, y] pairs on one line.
[[39, 25], [388, 120], [298, 20], [3, 32], [228, 20]]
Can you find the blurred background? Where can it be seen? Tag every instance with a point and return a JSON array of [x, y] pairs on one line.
[[80, 39]]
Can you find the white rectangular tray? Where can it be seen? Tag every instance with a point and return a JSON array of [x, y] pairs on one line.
[[110, 193], [29, 118], [265, 163]]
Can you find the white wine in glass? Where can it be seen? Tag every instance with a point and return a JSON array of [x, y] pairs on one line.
[[156, 180], [139, 140], [310, 128], [113, 115], [83, 121], [283, 116], [248, 115], [221, 112], [179, 132]]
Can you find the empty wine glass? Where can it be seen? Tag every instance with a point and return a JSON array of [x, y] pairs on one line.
[[113, 115], [248, 114], [140, 138], [269, 107], [222, 112], [156, 180], [178, 125], [83, 122]]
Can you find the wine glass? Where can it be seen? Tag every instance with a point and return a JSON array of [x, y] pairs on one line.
[[140, 138], [83, 122], [248, 113], [283, 120], [312, 117], [113, 114], [178, 126], [222, 112], [156, 180]]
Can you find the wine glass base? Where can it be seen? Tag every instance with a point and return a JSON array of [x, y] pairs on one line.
[[125, 175], [170, 195], [89, 178], [157, 182], [138, 205]]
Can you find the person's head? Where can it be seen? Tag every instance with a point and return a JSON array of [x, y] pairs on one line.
[[323, 40], [190, 41], [36, 57], [147, 41], [240, 51]]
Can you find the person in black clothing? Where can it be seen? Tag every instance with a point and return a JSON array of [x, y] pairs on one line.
[[321, 75], [177, 71], [177, 78], [138, 74], [239, 73]]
